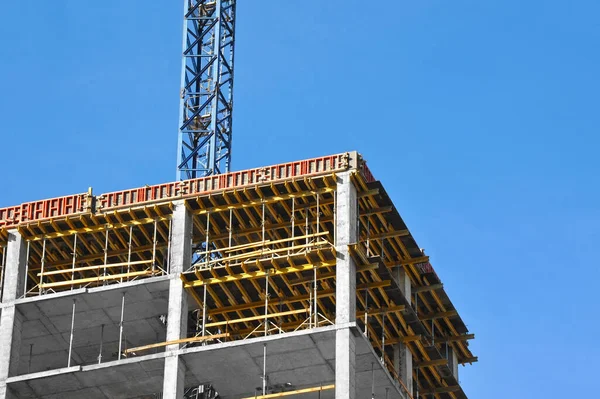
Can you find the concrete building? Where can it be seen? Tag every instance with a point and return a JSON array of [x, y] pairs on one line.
[[299, 279]]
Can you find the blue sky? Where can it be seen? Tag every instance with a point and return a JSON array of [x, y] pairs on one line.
[[481, 119]]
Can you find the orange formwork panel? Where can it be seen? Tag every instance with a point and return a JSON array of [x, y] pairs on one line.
[[10, 216], [44, 209], [86, 202], [227, 181]]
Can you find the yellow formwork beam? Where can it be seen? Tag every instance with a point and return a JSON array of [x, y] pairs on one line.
[[98, 228], [255, 318], [258, 274], [296, 392], [176, 342], [99, 278]]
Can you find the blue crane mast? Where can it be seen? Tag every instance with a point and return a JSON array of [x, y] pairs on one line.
[[205, 120]]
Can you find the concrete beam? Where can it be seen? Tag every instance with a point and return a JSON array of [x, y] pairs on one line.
[[346, 233]]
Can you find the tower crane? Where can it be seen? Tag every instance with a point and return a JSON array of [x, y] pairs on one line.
[[206, 104]]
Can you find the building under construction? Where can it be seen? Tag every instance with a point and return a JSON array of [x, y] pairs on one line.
[[299, 279]]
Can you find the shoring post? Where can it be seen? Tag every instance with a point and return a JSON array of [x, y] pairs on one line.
[[230, 227], [306, 229], [293, 220], [101, 344], [121, 327], [372, 380], [169, 246], [318, 214], [74, 260], [26, 269], [129, 251], [262, 225], [154, 247], [366, 312], [264, 376], [42, 266], [71, 337], [267, 303], [206, 244], [105, 255], [204, 311], [315, 298], [383, 339]]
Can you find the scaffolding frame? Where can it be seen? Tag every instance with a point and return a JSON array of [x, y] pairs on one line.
[[270, 267]]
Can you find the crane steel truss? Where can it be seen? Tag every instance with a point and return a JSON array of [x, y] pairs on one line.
[[204, 145]]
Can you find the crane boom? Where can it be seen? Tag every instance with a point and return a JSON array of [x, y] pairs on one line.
[[205, 120]]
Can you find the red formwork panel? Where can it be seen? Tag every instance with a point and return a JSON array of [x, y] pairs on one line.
[[227, 181], [367, 173], [43, 209], [10, 216], [54, 207], [77, 203], [134, 196]]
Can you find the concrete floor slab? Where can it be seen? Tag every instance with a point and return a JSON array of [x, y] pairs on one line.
[[129, 378], [302, 359], [47, 323]]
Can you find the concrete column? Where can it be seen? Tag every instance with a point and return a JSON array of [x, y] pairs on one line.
[[5, 393], [346, 233], [14, 270], [404, 365], [402, 354], [11, 320], [452, 361], [180, 261]]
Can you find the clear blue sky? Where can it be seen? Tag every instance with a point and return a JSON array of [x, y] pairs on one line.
[[480, 117]]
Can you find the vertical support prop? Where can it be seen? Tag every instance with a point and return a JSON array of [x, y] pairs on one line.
[[264, 376], [129, 252], [26, 269], [206, 243], [101, 344], [204, 311], [372, 381], [74, 260], [72, 333], [315, 297], [121, 327], [154, 247], [169, 247], [267, 303], [383, 339], [230, 227], [105, 255], [42, 267]]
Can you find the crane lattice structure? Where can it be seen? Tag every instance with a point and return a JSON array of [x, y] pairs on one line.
[[204, 145]]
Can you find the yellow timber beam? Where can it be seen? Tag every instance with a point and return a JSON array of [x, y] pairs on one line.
[[100, 227], [291, 393], [428, 363], [440, 315], [258, 274], [177, 341]]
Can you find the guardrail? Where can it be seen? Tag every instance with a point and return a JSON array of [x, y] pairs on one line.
[[86, 202]]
